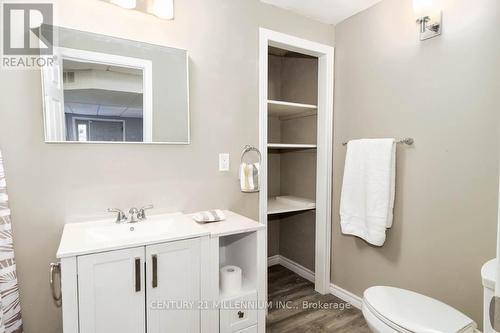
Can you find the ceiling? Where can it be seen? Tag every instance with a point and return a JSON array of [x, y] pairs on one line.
[[95, 102], [70, 65], [101, 102], [327, 11]]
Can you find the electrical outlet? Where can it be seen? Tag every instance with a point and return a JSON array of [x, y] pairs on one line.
[[223, 162]]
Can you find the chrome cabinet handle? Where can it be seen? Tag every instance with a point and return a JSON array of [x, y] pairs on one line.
[[154, 259], [137, 275], [55, 269]]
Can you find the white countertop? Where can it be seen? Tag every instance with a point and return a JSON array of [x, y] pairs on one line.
[[106, 235], [233, 224]]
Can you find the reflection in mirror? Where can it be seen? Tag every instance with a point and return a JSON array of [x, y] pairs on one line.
[[102, 102], [110, 90]]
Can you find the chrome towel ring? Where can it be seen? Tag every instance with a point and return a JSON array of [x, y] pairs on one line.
[[249, 148]]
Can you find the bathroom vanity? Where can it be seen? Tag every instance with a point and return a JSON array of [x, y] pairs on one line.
[[162, 274]]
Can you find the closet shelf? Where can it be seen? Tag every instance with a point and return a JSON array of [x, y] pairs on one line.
[[290, 146], [287, 204], [288, 109]]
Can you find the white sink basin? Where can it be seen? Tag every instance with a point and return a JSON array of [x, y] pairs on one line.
[[113, 232], [105, 235]]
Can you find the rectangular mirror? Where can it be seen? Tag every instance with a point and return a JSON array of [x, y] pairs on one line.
[[103, 89]]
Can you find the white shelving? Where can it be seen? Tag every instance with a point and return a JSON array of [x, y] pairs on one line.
[[247, 288], [290, 146], [240, 250], [288, 109], [287, 204]]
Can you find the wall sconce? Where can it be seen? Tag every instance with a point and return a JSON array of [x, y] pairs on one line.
[[428, 18], [161, 8]]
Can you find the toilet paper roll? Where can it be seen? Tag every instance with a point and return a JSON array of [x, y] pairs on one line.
[[230, 279]]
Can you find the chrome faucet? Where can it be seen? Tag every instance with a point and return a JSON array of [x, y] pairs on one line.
[[121, 217], [135, 215], [142, 212]]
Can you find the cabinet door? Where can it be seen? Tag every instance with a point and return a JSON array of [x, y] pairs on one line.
[[173, 287], [111, 292]]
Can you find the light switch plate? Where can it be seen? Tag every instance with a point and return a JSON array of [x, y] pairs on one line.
[[223, 162]]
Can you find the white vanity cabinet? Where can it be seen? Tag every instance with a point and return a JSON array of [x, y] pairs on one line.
[[122, 290], [174, 271], [160, 275], [144, 277], [111, 291]]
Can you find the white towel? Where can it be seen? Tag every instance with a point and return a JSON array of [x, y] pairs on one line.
[[367, 201], [249, 177]]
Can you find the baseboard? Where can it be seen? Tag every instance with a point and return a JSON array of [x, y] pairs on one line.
[[307, 274], [297, 269], [273, 261], [291, 265], [346, 296]]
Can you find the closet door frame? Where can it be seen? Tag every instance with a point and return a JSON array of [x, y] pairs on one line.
[[325, 55]]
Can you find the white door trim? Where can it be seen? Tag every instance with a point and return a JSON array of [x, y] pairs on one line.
[[75, 130], [325, 55], [115, 60]]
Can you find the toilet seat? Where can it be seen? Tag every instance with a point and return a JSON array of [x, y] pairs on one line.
[[408, 312], [378, 323]]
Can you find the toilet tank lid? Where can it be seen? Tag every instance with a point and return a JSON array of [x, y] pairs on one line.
[[488, 274], [415, 312]]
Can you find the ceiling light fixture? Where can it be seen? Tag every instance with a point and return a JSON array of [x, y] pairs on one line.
[[161, 8]]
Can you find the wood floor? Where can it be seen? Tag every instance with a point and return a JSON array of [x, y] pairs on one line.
[[289, 289]]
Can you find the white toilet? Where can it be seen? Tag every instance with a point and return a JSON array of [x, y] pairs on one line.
[[394, 310]]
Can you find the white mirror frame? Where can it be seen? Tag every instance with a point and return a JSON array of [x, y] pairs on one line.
[[52, 82]]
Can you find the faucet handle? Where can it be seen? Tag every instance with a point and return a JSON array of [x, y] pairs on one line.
[[142, 212], [121, 217]]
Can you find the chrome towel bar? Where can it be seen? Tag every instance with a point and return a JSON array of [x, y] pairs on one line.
[[406, 141]]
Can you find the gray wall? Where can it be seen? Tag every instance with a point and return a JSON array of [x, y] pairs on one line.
[[222, 39], [445, 93]]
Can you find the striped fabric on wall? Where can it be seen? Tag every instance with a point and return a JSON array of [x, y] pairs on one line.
[[10, 306]]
